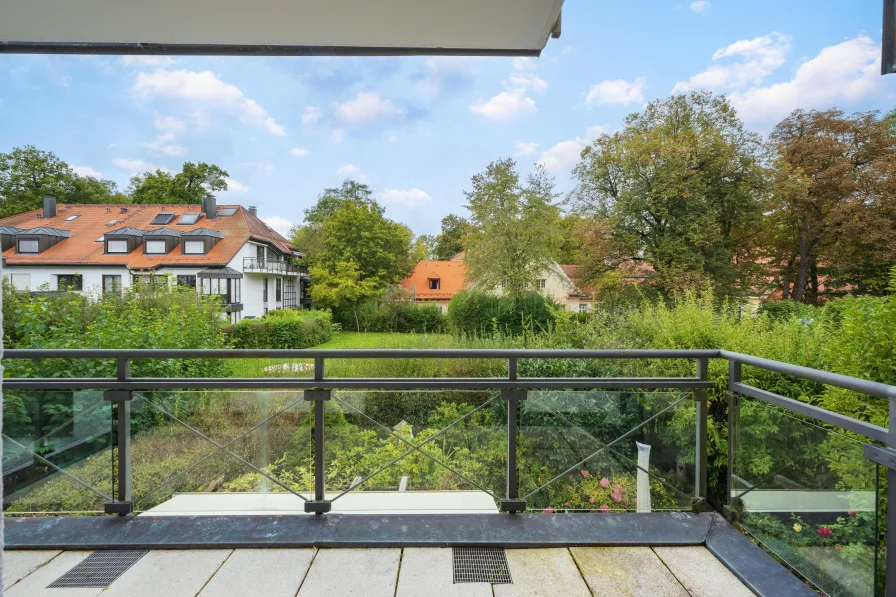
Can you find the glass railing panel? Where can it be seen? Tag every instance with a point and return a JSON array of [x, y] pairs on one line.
[[607, 451], [447, 447], [57, 452], [809, 495], [220, 451]]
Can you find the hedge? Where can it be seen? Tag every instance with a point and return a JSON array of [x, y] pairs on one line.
[[402, 317], [285, 328], [477, 313]]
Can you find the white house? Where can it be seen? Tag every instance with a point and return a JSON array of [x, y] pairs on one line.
[[222, 250]]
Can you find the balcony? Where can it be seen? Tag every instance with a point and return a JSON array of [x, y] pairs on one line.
[[271, 266], [601, 485]]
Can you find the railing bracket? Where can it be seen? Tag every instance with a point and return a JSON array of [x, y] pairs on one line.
[[317, 507], [512, 506], [118, 395], [316, 395], [513, 394], [882, 456], [120, 508]]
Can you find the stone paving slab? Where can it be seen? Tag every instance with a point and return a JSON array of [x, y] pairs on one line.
[[701, 573], [172, 573], [35, 584], [19, 564], [626, 572], [268, 572], [540, 572], [353, 571], [430, 572]]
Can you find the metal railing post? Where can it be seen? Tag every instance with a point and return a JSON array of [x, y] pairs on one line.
[[319, 505], [512, 398], [123, 505], [891, 506], [734, 377], [701, 468]]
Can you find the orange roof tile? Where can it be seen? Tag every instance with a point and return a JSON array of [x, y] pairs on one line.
[[451, 276], [93, 221]]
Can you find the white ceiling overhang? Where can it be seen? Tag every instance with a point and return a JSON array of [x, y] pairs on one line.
[[279, 27]]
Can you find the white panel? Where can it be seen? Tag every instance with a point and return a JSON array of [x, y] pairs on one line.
[[155, 247], [194, 247], [521, 25]]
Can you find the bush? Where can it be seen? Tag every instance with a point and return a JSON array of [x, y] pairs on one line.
[[400, 316], [476, 313], [285, 328], [787, 310]]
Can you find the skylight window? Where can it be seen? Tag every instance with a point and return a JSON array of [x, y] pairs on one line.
[[74, 217], [227, 211], [188, 219], [111, 222], [162, 219]]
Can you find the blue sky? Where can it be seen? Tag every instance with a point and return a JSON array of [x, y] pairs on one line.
[[416, 129]]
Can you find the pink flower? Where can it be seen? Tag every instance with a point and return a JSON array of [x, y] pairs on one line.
[[604, 508], [837, 548], [619, 488], [825, 531], [548, 510], [592, 500], [566, 504], [634, 500], [615, 496], [569, 488], [585, 473], [604, 482], [625, 502], [853, 514]]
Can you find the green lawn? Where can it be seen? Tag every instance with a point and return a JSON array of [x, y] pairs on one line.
[[345, 340]]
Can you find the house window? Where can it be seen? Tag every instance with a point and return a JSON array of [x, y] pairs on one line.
[[188, 281], [28, 245], [116, 246], [259, 253], [111, 284], [69, 282], [154, 247], [264, 290], [144, 280], [435, 283], [542, 284], [194, 247], [21, 281], [583, 307], [279, 290]]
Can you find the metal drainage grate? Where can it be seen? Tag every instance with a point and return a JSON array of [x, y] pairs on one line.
[[481, 564], [100, 569]]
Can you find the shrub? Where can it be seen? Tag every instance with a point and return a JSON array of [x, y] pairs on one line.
[[285, 328], [399, 316], [787, 310], [476, 313]]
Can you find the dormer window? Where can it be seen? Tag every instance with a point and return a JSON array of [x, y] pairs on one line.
[[154, 247], [28, 246], [435, 283], [194, 247], [116, 246]]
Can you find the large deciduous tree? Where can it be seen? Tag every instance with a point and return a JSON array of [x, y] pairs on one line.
[[514, 228], [194, 182], [832, 217], [450, 241], [678, 187]]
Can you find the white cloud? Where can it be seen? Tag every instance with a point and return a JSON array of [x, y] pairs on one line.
[[840, 75], [526, 81], [205, 88], [234, 186], [138, 166], [337, 136], [353, 172], [311, 115], [523, 63], [566, 154], [409, 197], [445, 71], [299, 152], [279, 224], [262, 166], [156, 61], [701, 6], [526, 148], [366, 108], [86, 171], [162, 145], [202, 120], [169, 124], [617, 91], [759, 58], [507, 105]]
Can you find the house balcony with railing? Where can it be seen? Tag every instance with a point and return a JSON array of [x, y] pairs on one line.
[[605, 481], [272, 266]]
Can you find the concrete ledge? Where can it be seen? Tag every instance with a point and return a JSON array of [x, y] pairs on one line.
[[358, 530], [751, 564]]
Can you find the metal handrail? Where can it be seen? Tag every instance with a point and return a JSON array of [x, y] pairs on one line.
[[269, 265], [513, 390]]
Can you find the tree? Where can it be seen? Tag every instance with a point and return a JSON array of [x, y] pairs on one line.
[[515, 229], [194, 182], [679, 187], [428, 243], [451, 240], [88, 189], [832, 216]]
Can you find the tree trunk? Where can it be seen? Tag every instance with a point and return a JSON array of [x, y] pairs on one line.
[[785, 279], [813, 281], [802, 276]]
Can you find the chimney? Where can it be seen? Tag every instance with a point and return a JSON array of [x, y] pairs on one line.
[[49, 206], [253, 210], [123, 210], [211, 207]]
